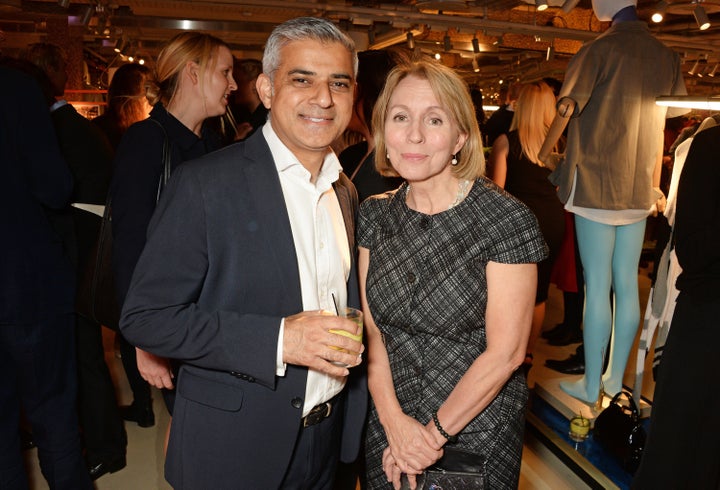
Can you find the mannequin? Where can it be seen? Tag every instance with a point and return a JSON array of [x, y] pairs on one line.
[[609, 177]]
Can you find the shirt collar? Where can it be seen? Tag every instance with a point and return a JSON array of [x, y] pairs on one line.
[[286, 161], [58, 104]]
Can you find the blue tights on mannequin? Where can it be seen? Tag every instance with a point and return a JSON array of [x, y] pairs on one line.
[[610, 256]]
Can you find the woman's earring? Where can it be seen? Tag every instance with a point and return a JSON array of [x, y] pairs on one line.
[[454, 160]]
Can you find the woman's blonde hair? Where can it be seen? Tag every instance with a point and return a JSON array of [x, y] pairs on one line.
[[453, 95], [182, 48], [534, 113]]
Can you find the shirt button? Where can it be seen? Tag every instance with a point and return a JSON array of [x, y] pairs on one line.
[[424, 222], [297, 402], [410, 278]]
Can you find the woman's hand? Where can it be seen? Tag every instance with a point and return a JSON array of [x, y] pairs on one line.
[[411, 445], [155, 370], [391, 469]]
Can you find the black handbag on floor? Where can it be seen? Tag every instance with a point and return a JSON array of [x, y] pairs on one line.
[[618, 429], [456, 470]]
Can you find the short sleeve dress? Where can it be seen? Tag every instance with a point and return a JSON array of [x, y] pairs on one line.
[[427, 290]]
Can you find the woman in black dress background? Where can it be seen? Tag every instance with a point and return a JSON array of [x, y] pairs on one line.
[[517, 169]]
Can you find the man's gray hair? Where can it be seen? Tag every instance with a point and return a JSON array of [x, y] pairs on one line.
[[300, 29]]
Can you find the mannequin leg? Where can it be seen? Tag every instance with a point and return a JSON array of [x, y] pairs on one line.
[[596, 243], [626, 257]]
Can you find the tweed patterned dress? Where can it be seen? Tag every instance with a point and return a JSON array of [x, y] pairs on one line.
[[427, 290]]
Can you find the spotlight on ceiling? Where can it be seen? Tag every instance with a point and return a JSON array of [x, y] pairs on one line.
[[120, 45], [714, 70], [694, 69], [447, 43], [410, 40], [568, 5], [476, 67], [659, 11], [550, 54], [475, 45], [541, 5], [64, 3], [86, 15], [701, 17]]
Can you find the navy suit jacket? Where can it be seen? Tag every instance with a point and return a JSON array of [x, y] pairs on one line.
[[37, 279], [217, 275]]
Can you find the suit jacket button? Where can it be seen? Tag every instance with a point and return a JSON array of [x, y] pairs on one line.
[[297, 402]]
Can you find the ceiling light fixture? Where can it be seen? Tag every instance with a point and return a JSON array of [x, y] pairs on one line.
[[659, 13], [711, 102], [568, 5], [447, 43], [64, 3], [475, 45], [476, 67], [541, 5], [694, 69], [86, 15], [714, 70], [119, 45], [701, 17], [550, 54], [410, 40]]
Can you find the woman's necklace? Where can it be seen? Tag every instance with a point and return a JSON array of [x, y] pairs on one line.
[[462, 192], [463, 186]]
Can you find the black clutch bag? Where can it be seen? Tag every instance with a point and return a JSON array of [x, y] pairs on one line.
[[456, 470], [618, 429]]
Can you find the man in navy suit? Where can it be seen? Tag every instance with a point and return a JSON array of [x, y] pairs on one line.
[[37, 294], [249, 251]]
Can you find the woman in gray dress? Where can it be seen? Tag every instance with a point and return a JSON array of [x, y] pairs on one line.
[[448, 276]]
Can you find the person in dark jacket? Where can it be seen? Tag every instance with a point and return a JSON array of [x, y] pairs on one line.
[[89, 155], [37, 294]]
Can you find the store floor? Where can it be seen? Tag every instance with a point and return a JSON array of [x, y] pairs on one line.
[[541, 470]]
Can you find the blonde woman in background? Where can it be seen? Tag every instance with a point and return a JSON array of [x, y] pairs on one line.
[[191, 83], [516, 168]]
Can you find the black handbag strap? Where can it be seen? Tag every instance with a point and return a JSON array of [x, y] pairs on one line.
[[167, 168], [164, 176], [631, 403]]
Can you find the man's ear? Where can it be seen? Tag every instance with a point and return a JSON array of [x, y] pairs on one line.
[[264, 88]]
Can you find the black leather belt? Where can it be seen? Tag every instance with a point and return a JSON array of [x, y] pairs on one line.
[[318, 413]]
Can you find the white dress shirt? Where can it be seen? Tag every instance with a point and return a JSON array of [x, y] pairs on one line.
[[321, 245]]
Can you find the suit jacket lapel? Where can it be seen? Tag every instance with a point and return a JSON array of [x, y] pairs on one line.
[[264, 185], [348, 198]]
